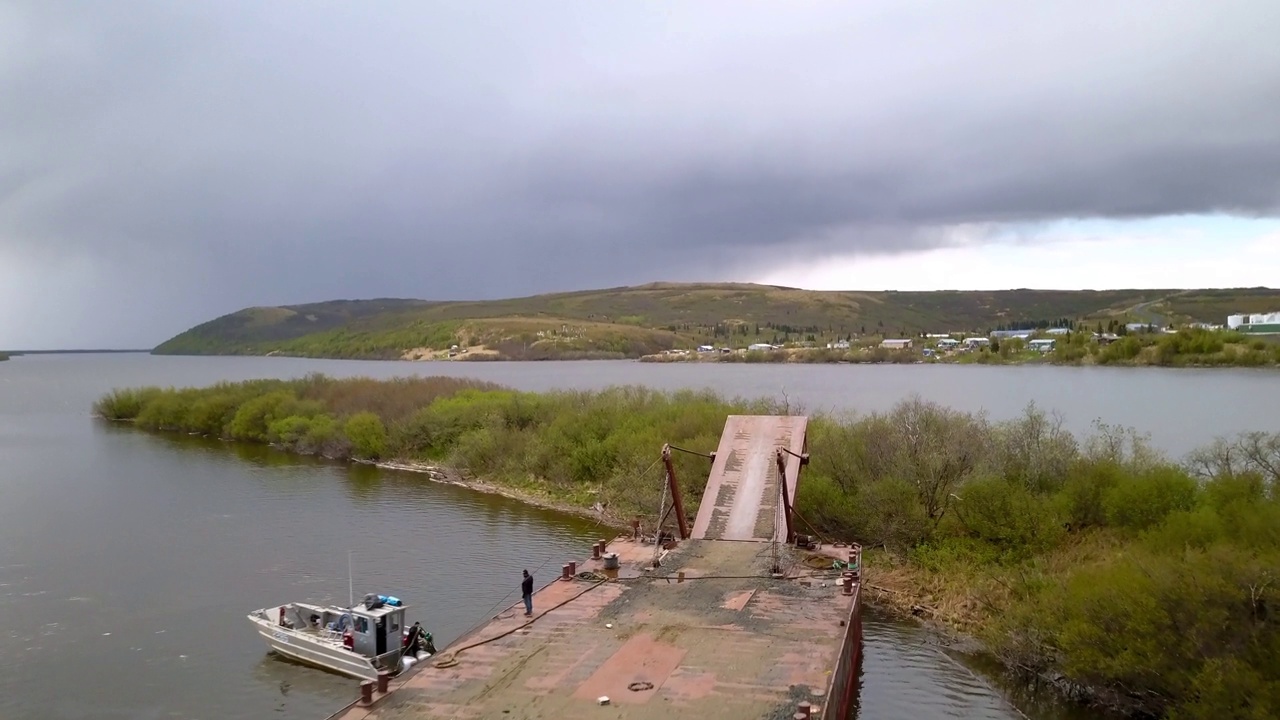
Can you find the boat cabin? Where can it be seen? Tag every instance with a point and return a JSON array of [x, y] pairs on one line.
[[372, 628], [378, 631]]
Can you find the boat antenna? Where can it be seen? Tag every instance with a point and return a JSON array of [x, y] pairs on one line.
[[351, 588]]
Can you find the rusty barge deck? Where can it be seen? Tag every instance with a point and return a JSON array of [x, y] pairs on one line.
[[742, 618]]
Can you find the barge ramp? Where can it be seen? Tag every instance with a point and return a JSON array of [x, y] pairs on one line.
[[742, 619]]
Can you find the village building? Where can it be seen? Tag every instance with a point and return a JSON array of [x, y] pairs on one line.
[[1042, 344], [1256, 323]]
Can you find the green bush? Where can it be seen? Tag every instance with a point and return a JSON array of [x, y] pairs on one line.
[[828, 505], [210, 414], [1009, 516], [252, 420], [949, 554], [1186, 529], [289, 430], [165, 411], [367, 435], [1141, 501], [1223, 491], [889, 512], [1164, 624], [1083, 492], [125, 404], [324, 436]]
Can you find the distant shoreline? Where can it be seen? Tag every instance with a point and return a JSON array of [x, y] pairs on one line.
[[1151, 355], [16, 353]]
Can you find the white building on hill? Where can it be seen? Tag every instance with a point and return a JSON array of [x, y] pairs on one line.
[[1257, 323]]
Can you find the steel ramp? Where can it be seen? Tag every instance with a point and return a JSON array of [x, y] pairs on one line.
[[741, 501]]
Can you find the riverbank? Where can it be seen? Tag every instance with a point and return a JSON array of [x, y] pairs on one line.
[[1185, 348], [458, 478], [1093, 560]]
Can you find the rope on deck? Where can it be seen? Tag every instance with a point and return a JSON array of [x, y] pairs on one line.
[[449, 658]]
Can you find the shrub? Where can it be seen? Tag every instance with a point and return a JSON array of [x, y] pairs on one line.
[[253, 419], [942, 555], [166, 411], [324, 436], [289, 430], [1159, 627], [828, 505], [1008, 515], [210, 415], [124, 404], [1141, 501], [889, 512], [1035, 450], [1186, 529], [367, 434], [1085, 488]]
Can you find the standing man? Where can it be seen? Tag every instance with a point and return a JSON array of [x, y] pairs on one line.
[[526, 589]]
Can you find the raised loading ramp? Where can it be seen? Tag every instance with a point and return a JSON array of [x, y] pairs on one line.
[[743, 498]]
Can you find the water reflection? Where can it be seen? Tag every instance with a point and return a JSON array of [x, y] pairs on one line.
[[905, 673]]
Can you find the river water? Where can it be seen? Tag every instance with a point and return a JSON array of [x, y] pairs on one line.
[[128, 561]]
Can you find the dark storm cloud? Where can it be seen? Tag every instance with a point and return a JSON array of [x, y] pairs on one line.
[[180, 160]]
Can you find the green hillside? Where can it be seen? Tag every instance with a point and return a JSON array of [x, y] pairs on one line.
[[634, 321]]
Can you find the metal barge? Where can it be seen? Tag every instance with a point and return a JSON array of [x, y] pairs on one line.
[[736, 616]]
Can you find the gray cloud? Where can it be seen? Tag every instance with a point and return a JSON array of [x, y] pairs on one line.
[[172, 161]]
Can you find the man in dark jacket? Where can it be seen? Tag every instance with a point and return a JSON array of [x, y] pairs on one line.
[[420, 639], [526, 589]]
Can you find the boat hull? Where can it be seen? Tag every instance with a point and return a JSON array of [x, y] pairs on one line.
[[299, 647]]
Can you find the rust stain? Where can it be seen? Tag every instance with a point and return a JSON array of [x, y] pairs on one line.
[[642, 659], [739, 600]]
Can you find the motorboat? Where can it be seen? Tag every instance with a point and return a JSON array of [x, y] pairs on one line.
[[358, 641]]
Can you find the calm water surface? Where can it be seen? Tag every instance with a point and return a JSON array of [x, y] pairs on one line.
[[128, 561]]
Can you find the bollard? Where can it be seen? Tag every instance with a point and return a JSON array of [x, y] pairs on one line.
[[604, 545], [366, 692], [847, 581], [384, 680], [804, 709], [565, 572], [573, 569], [680, 577], [595, 551]]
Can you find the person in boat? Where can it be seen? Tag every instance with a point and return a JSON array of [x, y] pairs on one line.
[[284, 621], [420, 640], [526, 591]]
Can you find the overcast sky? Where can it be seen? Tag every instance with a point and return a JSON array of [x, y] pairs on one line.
[[162, 163]]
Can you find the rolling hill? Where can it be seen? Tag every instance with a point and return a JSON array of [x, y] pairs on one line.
[[634, 321]]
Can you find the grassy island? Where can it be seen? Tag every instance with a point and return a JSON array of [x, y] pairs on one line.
[[1125, 578]]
